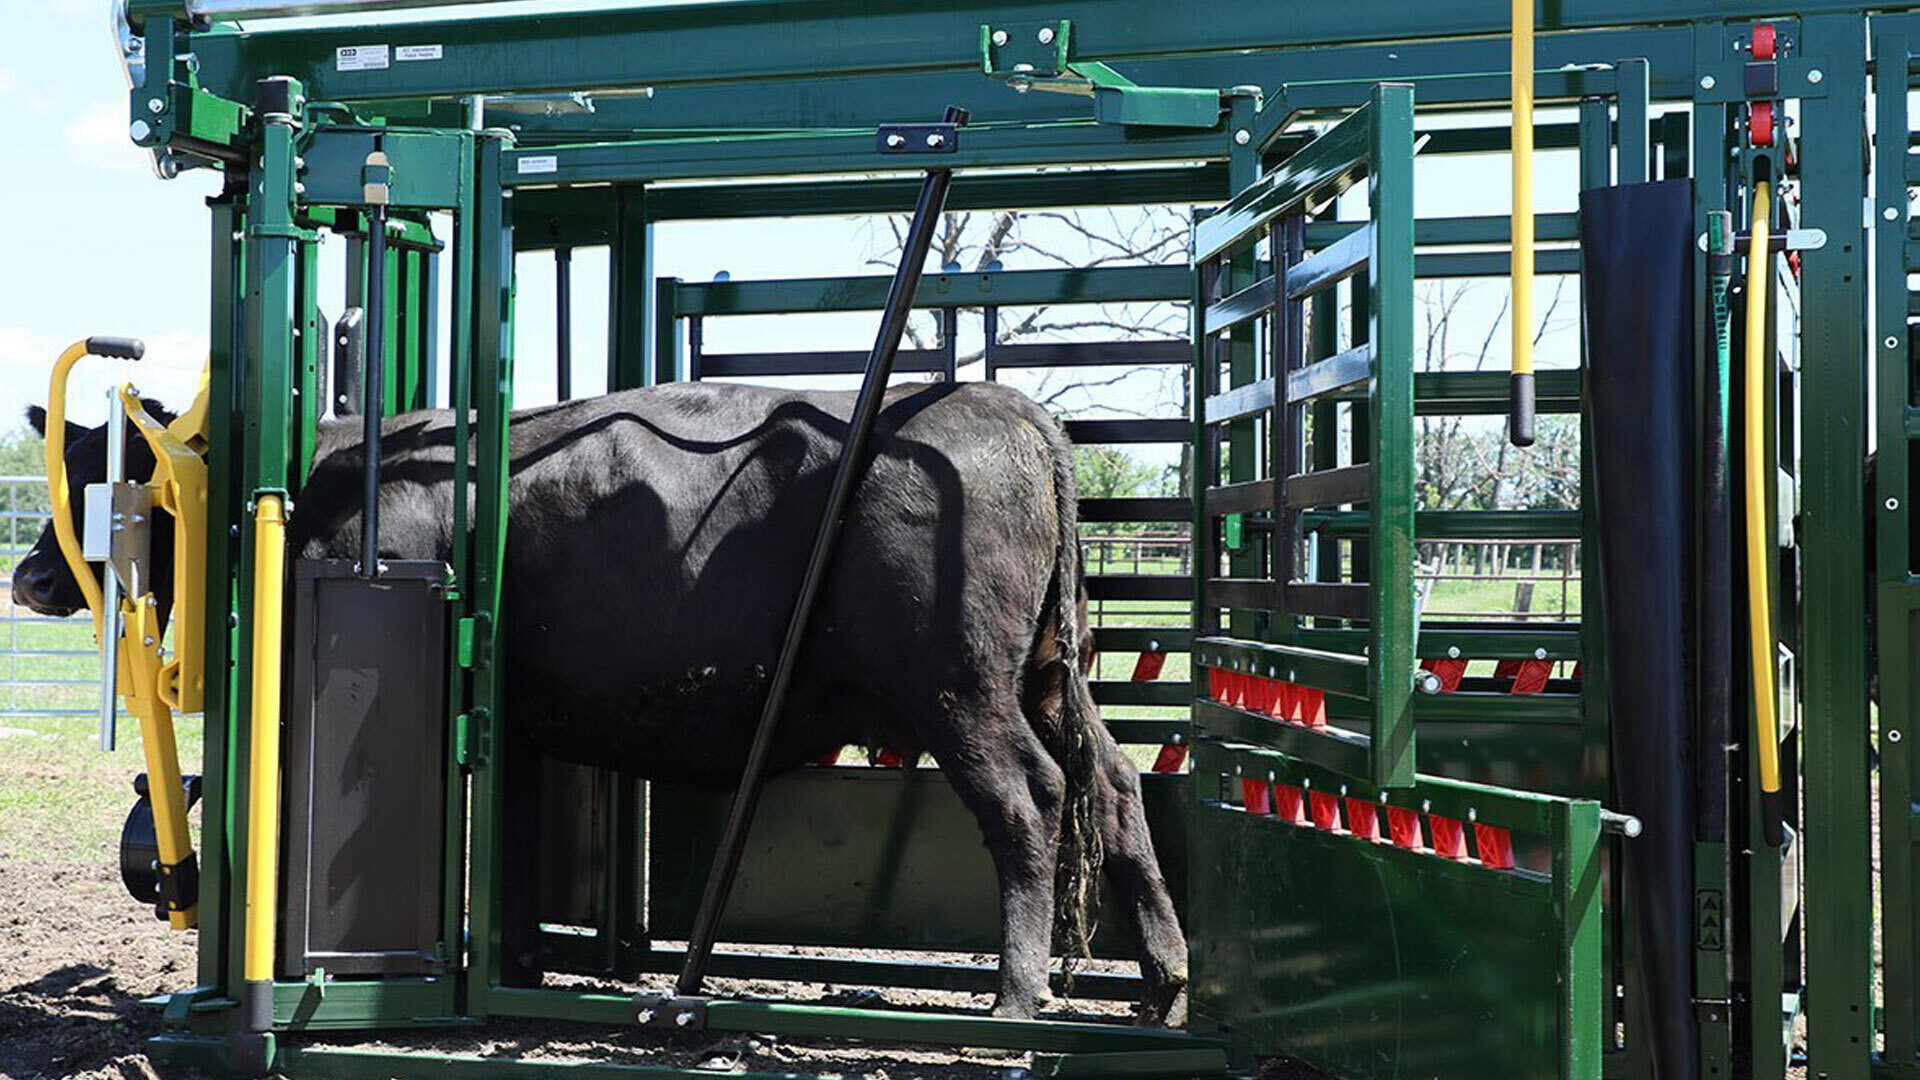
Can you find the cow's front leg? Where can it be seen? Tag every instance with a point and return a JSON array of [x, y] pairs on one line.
[[1004, 775]]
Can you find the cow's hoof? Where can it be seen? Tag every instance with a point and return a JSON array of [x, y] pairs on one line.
[[1021, 1008], [1163, 1006]]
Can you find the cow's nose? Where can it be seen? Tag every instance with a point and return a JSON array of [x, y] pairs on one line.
[[33, 585]]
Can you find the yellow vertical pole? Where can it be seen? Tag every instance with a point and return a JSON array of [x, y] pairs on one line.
[[1762, 652], [263, 766], [1520, 388]]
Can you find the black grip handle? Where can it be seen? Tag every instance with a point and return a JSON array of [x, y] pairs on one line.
[[1773, 818], [1520, 409], [117, 348]]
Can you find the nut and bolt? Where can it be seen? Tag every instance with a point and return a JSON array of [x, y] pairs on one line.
[[1706, 82], [999, 37], [896, 140], [1816, 75], [1242, 137], [156, 105], [1045, 35], [936, 140]]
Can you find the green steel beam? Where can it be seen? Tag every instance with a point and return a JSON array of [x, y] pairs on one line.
[[790, 39], [1007, 288]]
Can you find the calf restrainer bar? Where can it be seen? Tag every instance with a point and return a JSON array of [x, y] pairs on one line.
[[866, 409]]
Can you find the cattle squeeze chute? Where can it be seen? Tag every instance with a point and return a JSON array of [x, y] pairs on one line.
[[1634, 842]]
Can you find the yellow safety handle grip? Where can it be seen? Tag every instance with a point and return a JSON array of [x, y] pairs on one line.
[[1762, 655]]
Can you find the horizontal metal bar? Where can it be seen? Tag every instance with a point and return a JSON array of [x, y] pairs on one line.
[[1240, 594], [1127, 432], [1325, 168], [1240, 402], [1121, 692], [1558, 710], [1002, 288], [1245, 304], [836, 362], [1464, 393], [236, 10], [1492, 641], [1336, 262], [1245, 497], [1063, 354], [1139, 587], [992, 191], [1457, 524], [1330, 487], [1147, 509], [1330, 600], [934, 973], [1339, 373], [1337, 673], [1122, 639], [1342, 751], [1452, 231]]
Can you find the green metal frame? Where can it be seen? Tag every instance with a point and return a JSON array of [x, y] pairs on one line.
[[778, 88]]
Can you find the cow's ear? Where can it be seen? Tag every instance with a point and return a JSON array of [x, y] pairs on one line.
[[37, 417]]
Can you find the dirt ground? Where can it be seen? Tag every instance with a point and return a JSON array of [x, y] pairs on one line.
[[77, 956]]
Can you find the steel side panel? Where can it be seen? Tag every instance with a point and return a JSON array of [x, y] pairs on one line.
[[863, 858], [1368, 961]]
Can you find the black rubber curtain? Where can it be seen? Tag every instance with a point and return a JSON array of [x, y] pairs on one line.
[[1637, 250]]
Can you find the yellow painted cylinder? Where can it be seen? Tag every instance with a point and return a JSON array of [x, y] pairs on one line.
[[1761, 649], [1522, 224], [263, 765]]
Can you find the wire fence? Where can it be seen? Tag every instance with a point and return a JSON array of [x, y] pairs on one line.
[[50, 667]]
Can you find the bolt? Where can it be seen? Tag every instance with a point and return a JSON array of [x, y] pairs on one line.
[[1816, 75], [1242, 137], [1891, 213], [1045, 35], [1893, 342], [1540, 654], [936, 140], [896, 140], [1453, 652], [999, 37], [1473, 814], [139, 130], [1893, 504], [233, 618], [645, 1016], [148, 640], [1893, 735], [683, 1019], [1706, 82]]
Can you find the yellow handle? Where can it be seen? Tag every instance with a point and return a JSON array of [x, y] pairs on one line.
[[63, 530], [1761, 648], [1520, 427]]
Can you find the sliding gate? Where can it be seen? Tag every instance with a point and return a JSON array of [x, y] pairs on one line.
[[1365, 917]]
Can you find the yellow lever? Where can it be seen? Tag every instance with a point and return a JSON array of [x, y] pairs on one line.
[[1761, 648]]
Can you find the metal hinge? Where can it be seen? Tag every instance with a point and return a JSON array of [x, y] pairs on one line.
[[473, 739], [463, 632]]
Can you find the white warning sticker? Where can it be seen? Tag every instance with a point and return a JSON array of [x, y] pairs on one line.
[[360, 58], [404, 53], [539, 163]]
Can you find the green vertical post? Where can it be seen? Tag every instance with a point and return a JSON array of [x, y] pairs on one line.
[[394, 350], [218, 957], [1576, 902], [1243, 364], [1892, 535], [459, 607], [666, 345], [1393, 626], [629, 291], [312, 337], [1834, 723], [492, 386]]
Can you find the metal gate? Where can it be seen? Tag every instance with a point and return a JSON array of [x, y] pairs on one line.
[[1362, 915]]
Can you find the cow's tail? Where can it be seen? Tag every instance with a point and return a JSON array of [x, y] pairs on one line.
[[1077, 873]]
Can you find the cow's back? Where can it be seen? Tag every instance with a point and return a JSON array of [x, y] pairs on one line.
[[657, 538]]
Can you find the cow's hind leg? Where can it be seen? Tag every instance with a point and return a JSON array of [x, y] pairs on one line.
[[1137, 887], [1004, 775]]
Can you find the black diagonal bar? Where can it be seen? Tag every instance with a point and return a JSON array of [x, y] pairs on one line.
[[846, 476]]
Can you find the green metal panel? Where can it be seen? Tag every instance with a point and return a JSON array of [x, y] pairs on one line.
[[1833, 635], [862, 857], [629, 288], [1366, 960]]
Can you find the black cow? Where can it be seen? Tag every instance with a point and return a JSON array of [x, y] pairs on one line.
[[655, 545]]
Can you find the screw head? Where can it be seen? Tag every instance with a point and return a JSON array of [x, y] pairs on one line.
[[1706, 82], [1045, 35], [1893, 503], [1893, 735], [1893, 341], [139, 130], [1540, 653], [1816, 75], [1242, 137], [999, 37], [896, 140], [1453, 652], [156, 105], [1891, 213], [936, 140]]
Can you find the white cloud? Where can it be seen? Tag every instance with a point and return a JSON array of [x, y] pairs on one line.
[[9, 81], [97, 137]]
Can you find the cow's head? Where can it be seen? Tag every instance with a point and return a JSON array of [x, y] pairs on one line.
[[41, 580]]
